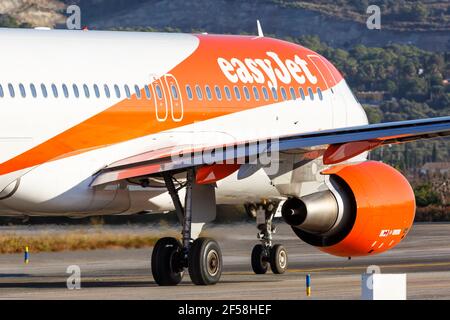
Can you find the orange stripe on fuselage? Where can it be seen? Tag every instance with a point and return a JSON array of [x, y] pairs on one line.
[[135, 118]]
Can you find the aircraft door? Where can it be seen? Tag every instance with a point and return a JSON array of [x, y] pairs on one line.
[[176, 101]]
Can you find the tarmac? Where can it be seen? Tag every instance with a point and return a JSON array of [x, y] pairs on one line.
[[125, 274]]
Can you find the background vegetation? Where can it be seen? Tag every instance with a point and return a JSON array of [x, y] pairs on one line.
[[7, 21], [404, 83], [75, 240], [397, 14]]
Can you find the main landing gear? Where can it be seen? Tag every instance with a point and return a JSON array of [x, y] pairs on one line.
[[170, 258], [265, 253]]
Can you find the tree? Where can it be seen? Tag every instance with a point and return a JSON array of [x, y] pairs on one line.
[[374, 114], [7, 21], [434, 157], [425, 195], [419, 12]]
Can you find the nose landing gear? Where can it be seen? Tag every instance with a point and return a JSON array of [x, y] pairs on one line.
[[265, 253]]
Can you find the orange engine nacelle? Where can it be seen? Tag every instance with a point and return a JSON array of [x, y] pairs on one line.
[[370, 210]]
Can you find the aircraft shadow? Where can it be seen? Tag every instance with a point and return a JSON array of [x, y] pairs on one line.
[[104, 284]]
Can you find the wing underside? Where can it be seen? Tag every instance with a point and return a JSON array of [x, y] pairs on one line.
[[338, 145]]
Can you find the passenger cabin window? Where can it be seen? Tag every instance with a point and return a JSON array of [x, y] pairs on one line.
[[2, 94], [44, 90], [127, 91], [96, 91], [283, 93], [33, 90], [147, 92], [302, 93], [107, 92], [76, 92], [65, 91], [11, 90], [159, 92], [198, 90], [311, 94], [319, 93], [22, 90], [218, 93], [137, 91], [86, 91], [274, 93], [265, 93], [208, 93], [227, 93], [292, 92], [237, 93], [189, 92], [246, 94], [256, 93], [174, 92], [117, 90], [55, 90]]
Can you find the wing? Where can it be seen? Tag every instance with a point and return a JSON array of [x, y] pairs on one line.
[[339, 145]]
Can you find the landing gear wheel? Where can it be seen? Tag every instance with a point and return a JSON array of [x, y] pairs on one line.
[[278, 259], [166, 262], [205, 261], [259, 260]]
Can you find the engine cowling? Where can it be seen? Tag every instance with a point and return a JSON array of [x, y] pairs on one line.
[[369, 209]]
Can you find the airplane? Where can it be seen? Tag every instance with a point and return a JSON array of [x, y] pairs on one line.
[[103, 123]]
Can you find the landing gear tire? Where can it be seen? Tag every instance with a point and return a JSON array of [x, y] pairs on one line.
[[278, 259], [166, 266], [205, 262], [259, 259]]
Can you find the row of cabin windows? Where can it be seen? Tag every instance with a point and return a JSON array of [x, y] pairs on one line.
[[115, 90], [235, 92], [78, 91]]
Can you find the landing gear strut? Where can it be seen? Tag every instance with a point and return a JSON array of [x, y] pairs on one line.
[[202, 257], [265, 253]]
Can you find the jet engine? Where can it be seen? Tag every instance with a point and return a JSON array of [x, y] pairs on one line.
[[369, 208]]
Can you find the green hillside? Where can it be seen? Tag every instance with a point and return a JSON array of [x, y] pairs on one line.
[[396, 14]]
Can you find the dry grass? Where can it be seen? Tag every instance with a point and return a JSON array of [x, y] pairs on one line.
[[47, 242]]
